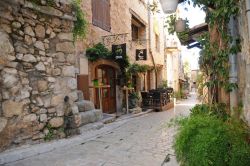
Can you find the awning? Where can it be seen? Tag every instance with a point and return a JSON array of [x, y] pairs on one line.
[[193, 35]]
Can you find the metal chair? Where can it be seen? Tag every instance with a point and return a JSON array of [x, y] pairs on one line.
[[146, 99]]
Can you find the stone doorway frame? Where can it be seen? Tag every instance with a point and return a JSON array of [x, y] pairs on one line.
[[92, 73]]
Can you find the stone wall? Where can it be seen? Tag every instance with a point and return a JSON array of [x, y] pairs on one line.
[[244, 63], [37, 70]]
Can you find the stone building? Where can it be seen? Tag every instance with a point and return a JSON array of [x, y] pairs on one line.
[[242, 60], [117, 22], [173, 62], [37, 70]]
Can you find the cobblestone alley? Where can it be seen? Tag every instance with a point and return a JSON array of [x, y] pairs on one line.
[[140, 141]]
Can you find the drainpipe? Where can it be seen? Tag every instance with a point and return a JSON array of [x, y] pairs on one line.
[[248, 16], [233, 65], [149, 38]]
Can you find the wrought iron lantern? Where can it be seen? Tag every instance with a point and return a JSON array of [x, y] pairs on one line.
[[169, 6]]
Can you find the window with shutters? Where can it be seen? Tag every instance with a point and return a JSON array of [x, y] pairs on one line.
[[101, 14], [138, 29], [135, 32]]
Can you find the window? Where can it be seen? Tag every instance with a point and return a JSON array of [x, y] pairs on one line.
[[101, 14], [135, 32], [138, 29]]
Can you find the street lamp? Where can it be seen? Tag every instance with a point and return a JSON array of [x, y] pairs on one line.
[[169, 6]]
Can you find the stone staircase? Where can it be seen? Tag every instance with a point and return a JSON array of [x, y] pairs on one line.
[[87, 110]]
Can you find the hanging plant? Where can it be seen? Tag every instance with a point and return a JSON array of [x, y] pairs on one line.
[[98, 51], [136, 69], [170, 23], [181, 25]]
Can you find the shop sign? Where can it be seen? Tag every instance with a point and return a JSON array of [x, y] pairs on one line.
[[119, 51], [141, 54]]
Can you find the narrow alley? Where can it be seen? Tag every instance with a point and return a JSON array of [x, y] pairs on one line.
[[140, 141]]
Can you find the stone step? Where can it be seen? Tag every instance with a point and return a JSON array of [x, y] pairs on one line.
[[85, 105], [91, 127], [108, 118], [91, 116]]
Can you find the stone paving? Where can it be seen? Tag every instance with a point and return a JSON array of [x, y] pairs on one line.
[[140, 141]]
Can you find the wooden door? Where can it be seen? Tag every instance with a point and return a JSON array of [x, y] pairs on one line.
[[83, 85], [106, 75]]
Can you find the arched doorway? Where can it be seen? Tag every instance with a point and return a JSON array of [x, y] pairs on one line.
[[107, 76]]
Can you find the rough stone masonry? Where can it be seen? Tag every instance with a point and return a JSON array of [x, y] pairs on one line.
[[37, 70]]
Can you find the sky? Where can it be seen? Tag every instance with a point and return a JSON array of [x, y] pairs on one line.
[[195, 16]]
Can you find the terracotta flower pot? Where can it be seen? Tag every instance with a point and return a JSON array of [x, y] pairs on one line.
[[180, 25], [169, 6], [95, 82]]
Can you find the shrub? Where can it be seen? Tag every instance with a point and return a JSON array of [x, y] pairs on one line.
[[205, 140], [218, 110], [98, 51], [179, 94]]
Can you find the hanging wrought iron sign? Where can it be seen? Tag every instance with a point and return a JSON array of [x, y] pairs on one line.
[[119, 51], [141, 54], [114, 39]]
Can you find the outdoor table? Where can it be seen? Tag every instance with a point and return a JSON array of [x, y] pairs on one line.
[[99, 88], [127, 89]]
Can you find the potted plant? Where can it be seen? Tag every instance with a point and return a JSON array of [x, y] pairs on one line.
[[95, 82], [180, 25], [133, 100], [169, 6], [129, 84]]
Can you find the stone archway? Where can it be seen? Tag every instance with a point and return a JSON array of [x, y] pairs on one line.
[[93, 66]]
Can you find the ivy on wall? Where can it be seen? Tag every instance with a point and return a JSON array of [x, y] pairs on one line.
[[80, 25], [99, 51], [217, 47]]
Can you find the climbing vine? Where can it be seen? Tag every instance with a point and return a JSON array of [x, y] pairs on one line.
[[218, 45], [80, 25]]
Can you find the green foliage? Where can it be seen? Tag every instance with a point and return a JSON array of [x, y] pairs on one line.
[[205, 140], [50, 135], [170, 24], [80, 25], [179, 94], [137, 68], [134, 95], [164, 84], [154, 7], [217, 110], [214, 59], [98, 51], [123, 63], [171, 19], [199, 82]]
